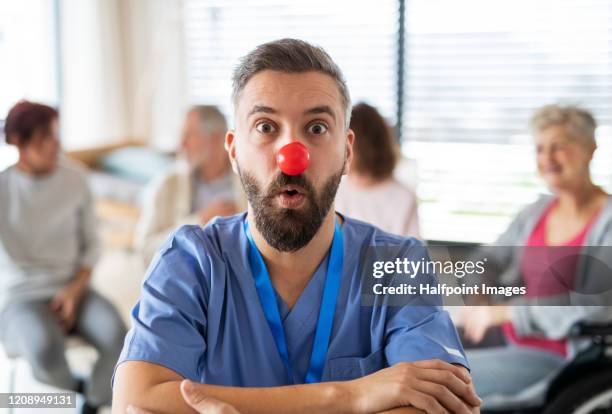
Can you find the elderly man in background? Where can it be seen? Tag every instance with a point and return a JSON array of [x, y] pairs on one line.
[[197, 189]]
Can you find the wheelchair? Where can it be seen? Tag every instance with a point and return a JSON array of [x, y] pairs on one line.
[[583, 386]]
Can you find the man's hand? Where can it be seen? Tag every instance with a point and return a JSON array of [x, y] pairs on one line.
[[217, 208], [201, 403], [204, 404], [477, 319], [66, 302], [432, 386]]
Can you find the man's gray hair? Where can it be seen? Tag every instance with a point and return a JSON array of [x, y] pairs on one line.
[[290, 56], [579, 122], [211, 118]]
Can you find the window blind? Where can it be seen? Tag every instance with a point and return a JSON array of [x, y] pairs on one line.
[[474, 72], [359, 35]]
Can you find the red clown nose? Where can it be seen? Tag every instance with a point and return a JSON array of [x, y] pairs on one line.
[[293, 158]]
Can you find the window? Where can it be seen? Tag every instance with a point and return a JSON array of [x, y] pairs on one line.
[[474, 71], [361, 36], [472, 84], [28, 53], [28, 58]]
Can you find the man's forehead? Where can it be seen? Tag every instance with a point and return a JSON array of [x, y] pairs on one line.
[[276, 90]]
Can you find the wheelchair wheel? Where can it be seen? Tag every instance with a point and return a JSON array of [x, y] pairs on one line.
[[590, 396]]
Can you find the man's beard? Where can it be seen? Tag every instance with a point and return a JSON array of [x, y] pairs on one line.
[[287, 229]]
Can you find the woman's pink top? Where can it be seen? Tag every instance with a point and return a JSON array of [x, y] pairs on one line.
[[548, 270]]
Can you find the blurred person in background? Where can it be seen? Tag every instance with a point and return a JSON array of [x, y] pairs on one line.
[[196, 190], [370, 193], [575, 220], [48, 247]]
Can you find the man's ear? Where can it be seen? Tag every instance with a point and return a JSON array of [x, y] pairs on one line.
[[350, 138], [592, 152], [230, 147]]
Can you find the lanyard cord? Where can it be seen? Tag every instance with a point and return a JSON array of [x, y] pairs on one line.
[[267, 298]]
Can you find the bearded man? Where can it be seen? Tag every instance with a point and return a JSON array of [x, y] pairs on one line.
[[262, 311]]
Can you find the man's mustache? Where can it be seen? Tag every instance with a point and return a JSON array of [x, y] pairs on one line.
[[283, 179]]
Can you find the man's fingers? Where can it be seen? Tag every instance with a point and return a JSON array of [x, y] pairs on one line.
[[203, 403], [453, 383], [443, 365], [444, 396], [190, 393], [425, 402]]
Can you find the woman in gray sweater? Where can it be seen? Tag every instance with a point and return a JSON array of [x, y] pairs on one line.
[[48, 247], [577, 221]]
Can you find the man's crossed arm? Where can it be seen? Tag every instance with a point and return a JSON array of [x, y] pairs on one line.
[[431, 386], [203, 404]]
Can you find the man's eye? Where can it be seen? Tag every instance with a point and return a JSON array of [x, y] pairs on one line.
[[265, 128], [317, 129]]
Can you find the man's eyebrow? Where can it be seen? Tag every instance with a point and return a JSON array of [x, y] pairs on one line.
[[322, 109], [262, 108]]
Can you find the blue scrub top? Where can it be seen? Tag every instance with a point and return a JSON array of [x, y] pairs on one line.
[[199, 314]]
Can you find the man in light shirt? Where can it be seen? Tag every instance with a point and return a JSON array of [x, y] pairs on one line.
[[200, 187]]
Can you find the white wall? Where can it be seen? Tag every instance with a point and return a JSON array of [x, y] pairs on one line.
[[122, 72], [92, 89]]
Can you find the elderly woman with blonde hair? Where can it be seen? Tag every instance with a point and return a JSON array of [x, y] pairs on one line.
[[575, 221]]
